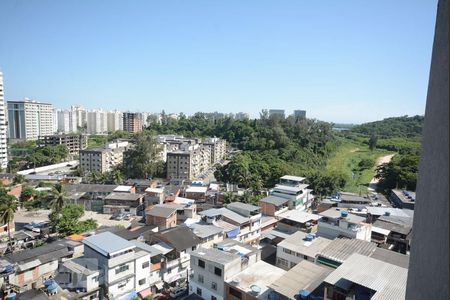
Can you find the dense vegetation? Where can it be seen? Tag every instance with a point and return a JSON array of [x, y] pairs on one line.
[[271, 147], [38, 157], [405, 126]]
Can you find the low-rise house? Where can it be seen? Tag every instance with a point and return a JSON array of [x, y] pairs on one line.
[[30, 268], [373, 213], [90, 196], [403, 199], [162, 215], [197, 193], [124, 269], [397, 232], [124, 202], [303, 280], [209, 234], [298, 247], [336, 222], [297, 220], [140, 185], [273, 206], [363, 277], [80, 275], [340, 249], [187, 209], [350, 200], [125, 189], [292, 188], [139, 233], [154, 195], [176, 244], [252, 232], [253, 282]]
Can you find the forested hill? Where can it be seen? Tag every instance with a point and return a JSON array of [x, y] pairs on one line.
[[393, 127]]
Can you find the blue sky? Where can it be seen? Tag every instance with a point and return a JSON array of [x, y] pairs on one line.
[[342, 61]]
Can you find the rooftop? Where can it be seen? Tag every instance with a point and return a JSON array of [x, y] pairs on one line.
[[289, 189], [391, 257], [305, 275], [154, 190], [405, 196], [196, 189], [293, 178], [134, 233], [89, 188], [335, 213], [227, 213], [124, 196], [108, 243], [298, 216], [205, 230], [296, 242], [351, 197], [216, 255], [123, 188], [81, 266], [153, 250], [240, 206], [277, 201], [180, 237], [341, 248], [389, 281], [161, 210], [379, 211], [259, 274]]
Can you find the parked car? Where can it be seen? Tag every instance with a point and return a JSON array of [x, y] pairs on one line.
[[178, 292]]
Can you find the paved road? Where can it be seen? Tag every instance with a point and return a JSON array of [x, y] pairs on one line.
[[384, 159]]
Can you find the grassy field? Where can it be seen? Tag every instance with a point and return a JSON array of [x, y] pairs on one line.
[[346, 160], [96, 141]]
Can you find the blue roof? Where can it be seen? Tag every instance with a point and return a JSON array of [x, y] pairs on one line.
[[108, 243]]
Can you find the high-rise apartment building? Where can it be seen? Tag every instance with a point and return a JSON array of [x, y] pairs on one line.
[[66, 121], [80, 116], [114, 121], [3, 128], [217, 149], [97, 122], [300, 113], [276, 113], [29, 119], [132, 122], [189, 162]]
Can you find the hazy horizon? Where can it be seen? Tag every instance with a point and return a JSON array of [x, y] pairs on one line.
[[342, 62]]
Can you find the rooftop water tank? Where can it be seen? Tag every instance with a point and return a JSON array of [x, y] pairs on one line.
[[255, 290], [344, 214], [387, 213]]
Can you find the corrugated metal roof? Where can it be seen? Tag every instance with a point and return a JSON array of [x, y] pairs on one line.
[[107, 243], [293, 178], [298, 216], [296, 243], [388, 280], [229, 214], [277, 201], [340, 249]]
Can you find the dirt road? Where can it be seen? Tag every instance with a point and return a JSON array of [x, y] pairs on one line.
[[380, 161]]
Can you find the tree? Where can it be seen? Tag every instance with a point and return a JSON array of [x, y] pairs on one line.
[[58, 198], [69, 221], [373, 142], [229, 197], [400, 172], [18, 178], [8, 206], [143, 160]]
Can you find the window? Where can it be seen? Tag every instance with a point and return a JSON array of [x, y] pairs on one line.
[[200, 278], [235, 293], [282, 262], [305, 257], [95, 279], [214, 286], [145, 265], [213, 298], [201, 263], [199, 291], [142, 281], [287, 251], [193, 248], [122, 268], [218, 271]]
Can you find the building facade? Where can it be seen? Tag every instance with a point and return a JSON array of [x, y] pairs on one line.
[[27, 119], [132, 122], [3, 128], [100, 160], [73, 142]]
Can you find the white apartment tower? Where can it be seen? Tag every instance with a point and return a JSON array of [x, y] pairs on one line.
[[114, 121], [97, 122], [29, 119], [3, 128]]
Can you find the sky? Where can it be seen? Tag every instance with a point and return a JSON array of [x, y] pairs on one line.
[[341, 61]]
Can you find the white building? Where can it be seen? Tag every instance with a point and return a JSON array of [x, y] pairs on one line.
[[124, 268], [80, 115], [3, 128], [97, 122], [27, 119], [293, 188], [114, 121], [65, 121], [336, 222]]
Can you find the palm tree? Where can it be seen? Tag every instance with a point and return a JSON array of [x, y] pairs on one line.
[[58, 198], [117, 177], [8, 206], [94, 177]]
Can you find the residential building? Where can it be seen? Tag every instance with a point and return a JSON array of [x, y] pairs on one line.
[[292, 188], [30, 268], [90, 196], [336, 222], [394, 231], [132, 122], [304, 280], [189, 162], [217, 149], [162, 215], [176, 244], [296, 220], [29, 119], [403, 199], [114, 121], [300, 113], [96, 122], [273, 206], [79, 116], [197, 193], [124, 268], [80, 275], [119, 202], [298, 247], [65, 121], [276, 113], [363, 277], [3, 127], [351, 200], [100, 160], [242, 116], [209, 234], [154, 195], [73, 142], [253, 282]]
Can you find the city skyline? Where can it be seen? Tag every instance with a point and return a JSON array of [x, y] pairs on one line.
[[353, 63]]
